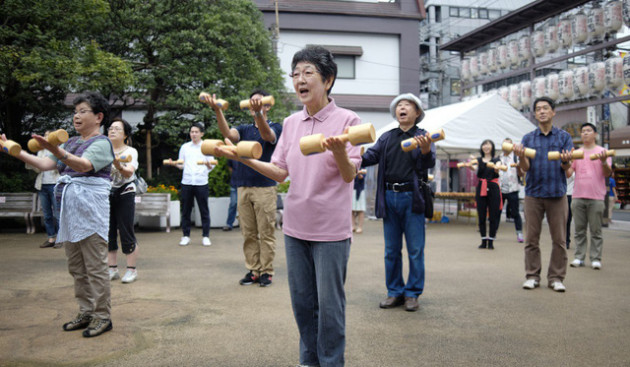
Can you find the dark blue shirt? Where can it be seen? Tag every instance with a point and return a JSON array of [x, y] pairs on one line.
[[245, 176], [545, 178]]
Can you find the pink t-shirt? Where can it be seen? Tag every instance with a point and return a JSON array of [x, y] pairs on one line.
[[590, 182], [318, 206]]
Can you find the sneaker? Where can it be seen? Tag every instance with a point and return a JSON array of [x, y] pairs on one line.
[[519, 237], [185, 241], [80, 322], [98, 327], [265, 280], [557, 286], [596, 265], [531, 284], [249, 279], [206, 241], [113, 274], [130, 276], [47, 244], [577, 263]]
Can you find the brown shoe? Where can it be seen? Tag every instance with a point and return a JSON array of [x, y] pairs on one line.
[[46, 244], [391, 302], [411, 304]]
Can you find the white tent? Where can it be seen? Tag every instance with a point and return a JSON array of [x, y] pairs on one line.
[[467, 124]]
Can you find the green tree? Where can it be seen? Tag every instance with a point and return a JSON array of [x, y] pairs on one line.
[[180, 48], [46, 51]]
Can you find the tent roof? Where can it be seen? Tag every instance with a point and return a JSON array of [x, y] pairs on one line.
[[467, 124]]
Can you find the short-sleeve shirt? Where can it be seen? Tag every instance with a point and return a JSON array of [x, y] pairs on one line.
[[99, 153], [248, 177], [508, 180], [319, 201], [194, 174], [590, 182], [545, 178], [118, 180]]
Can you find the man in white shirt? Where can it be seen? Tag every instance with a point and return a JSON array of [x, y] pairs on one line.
[[194, 184]]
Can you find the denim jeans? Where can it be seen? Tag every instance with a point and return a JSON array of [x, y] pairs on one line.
[[317, 273], [188, 194], [400, 220], [232, 209], [512, 210], [47, 199]]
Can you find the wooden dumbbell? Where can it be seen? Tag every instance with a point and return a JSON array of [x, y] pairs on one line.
[[247, 149], [513, 164], [411, 143], [212, 162], [609, 153], [166, 162], [10, 147], [266, 101], [491, 165], [431, 177], [508, 147], [57, 137], [222, 103], [576, 154], [358, 134], [466, 164], [124, 158]]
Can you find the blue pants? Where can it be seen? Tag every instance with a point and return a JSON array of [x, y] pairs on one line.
[[233, 204], [47, 200], [400, 220], [317, 273], [199, 193], [512, 210]]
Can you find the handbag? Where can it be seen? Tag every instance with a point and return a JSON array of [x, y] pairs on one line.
[[427, 195], [141, 185]]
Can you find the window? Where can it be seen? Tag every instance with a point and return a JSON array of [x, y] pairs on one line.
[[456, 87], [483, 13], [345, 66], [453, 11], [494, 13], [473, 13], [438, 14], [464, 12]]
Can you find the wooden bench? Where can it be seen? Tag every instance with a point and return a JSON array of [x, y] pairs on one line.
[[154, 205], [19, 204]]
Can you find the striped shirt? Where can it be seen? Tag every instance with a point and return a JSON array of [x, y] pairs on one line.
[[545, 178]]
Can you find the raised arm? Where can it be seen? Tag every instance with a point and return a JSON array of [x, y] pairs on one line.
[[266, 133], [231, 134]]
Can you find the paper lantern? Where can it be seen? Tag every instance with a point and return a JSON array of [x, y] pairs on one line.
[[626, 69], [492, 59], [539, 87], [613, 16], [596, 28], [538, 43], [465, 70], [504, 93], [551, 86], [565, 84], [502, 56], [525, 88], [513, 53], [579, 28], [614, 73], [564, 32], [474, 67], [514, 96], [580, 82], [483, 63], [596, 77], [524, 46], [551, 38], [626, 12]]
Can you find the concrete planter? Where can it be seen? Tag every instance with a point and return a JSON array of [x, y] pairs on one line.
[[218, 212]]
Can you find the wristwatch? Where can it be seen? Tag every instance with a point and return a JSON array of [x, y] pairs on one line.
[[64, 157], [258, 113]]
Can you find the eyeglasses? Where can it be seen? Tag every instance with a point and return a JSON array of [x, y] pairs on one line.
[[115, 128], [307, 74], [82, 112]]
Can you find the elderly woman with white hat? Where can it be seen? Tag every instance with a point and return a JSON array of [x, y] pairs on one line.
[[399, 199]]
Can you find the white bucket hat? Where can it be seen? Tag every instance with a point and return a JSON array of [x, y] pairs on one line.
[[408, 97]]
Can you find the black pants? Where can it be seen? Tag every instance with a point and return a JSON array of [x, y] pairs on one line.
[[492, 203], [199, 193], [569, 218], [122, 207], [512, 210]]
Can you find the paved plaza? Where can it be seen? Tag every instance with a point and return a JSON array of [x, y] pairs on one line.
[[187, 308]]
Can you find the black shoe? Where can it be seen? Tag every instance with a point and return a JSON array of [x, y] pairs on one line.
[[98, 327], [80, 322], [249, 279], [490, 245], [484, 244], [226, 228], [265, 280], [47, 244]]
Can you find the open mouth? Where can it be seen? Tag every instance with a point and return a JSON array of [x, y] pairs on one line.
[[402, 115], [303, 92]]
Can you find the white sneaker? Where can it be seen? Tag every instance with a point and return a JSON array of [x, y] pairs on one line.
[[531, 284], [596, 265], [206, 241], [557, 286], [185, 241], [113, 274], [577, 263], [130, 276]]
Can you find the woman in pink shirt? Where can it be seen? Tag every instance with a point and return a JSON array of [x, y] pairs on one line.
[[317, 223]]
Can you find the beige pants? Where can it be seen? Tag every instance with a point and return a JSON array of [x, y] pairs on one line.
[[87, 263], [557, 211], [257, 219], [611, 206]]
